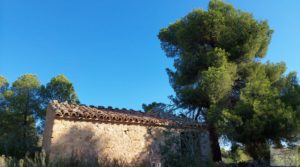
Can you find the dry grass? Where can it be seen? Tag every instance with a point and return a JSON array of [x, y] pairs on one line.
[[40, 160]]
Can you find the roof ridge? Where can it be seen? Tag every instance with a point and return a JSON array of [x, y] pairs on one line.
[[66, 110], [97, 107]]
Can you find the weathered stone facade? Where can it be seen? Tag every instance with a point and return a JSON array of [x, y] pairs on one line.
[[127, 136]]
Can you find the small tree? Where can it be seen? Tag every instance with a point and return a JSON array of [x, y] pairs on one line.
[[22, 111], [61, 89], [20, 135]]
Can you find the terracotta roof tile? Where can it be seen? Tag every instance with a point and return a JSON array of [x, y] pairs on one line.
[[82, 112]]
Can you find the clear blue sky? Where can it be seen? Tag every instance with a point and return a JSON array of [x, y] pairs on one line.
[[109, 49]]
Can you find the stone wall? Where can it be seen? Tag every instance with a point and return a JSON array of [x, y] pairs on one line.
[[90, 139]]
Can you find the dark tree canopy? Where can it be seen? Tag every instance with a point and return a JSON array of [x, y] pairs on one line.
[[218, 76], [22, 111], [208, 47], [267, 111], [61, 89], [3, 88], [18, 132], [154, 107]]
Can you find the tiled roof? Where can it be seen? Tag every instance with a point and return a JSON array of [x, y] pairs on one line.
[[101, 114]]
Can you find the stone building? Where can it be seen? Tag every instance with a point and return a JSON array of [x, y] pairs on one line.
[[128, 136]]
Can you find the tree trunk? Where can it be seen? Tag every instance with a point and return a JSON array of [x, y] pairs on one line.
[[213, 137], [214, 141], [26, 111]]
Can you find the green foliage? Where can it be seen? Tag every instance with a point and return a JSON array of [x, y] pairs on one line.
[[24, 96], [235, 156], [154, 107], [61, 89], [262, 115], [216, 83], [3, 84], [217, 73], [237, 32], [22, 111], [19, 132], [3, 88], [207, 47]]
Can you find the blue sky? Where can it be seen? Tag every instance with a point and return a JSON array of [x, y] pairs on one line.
[[109, 49]]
